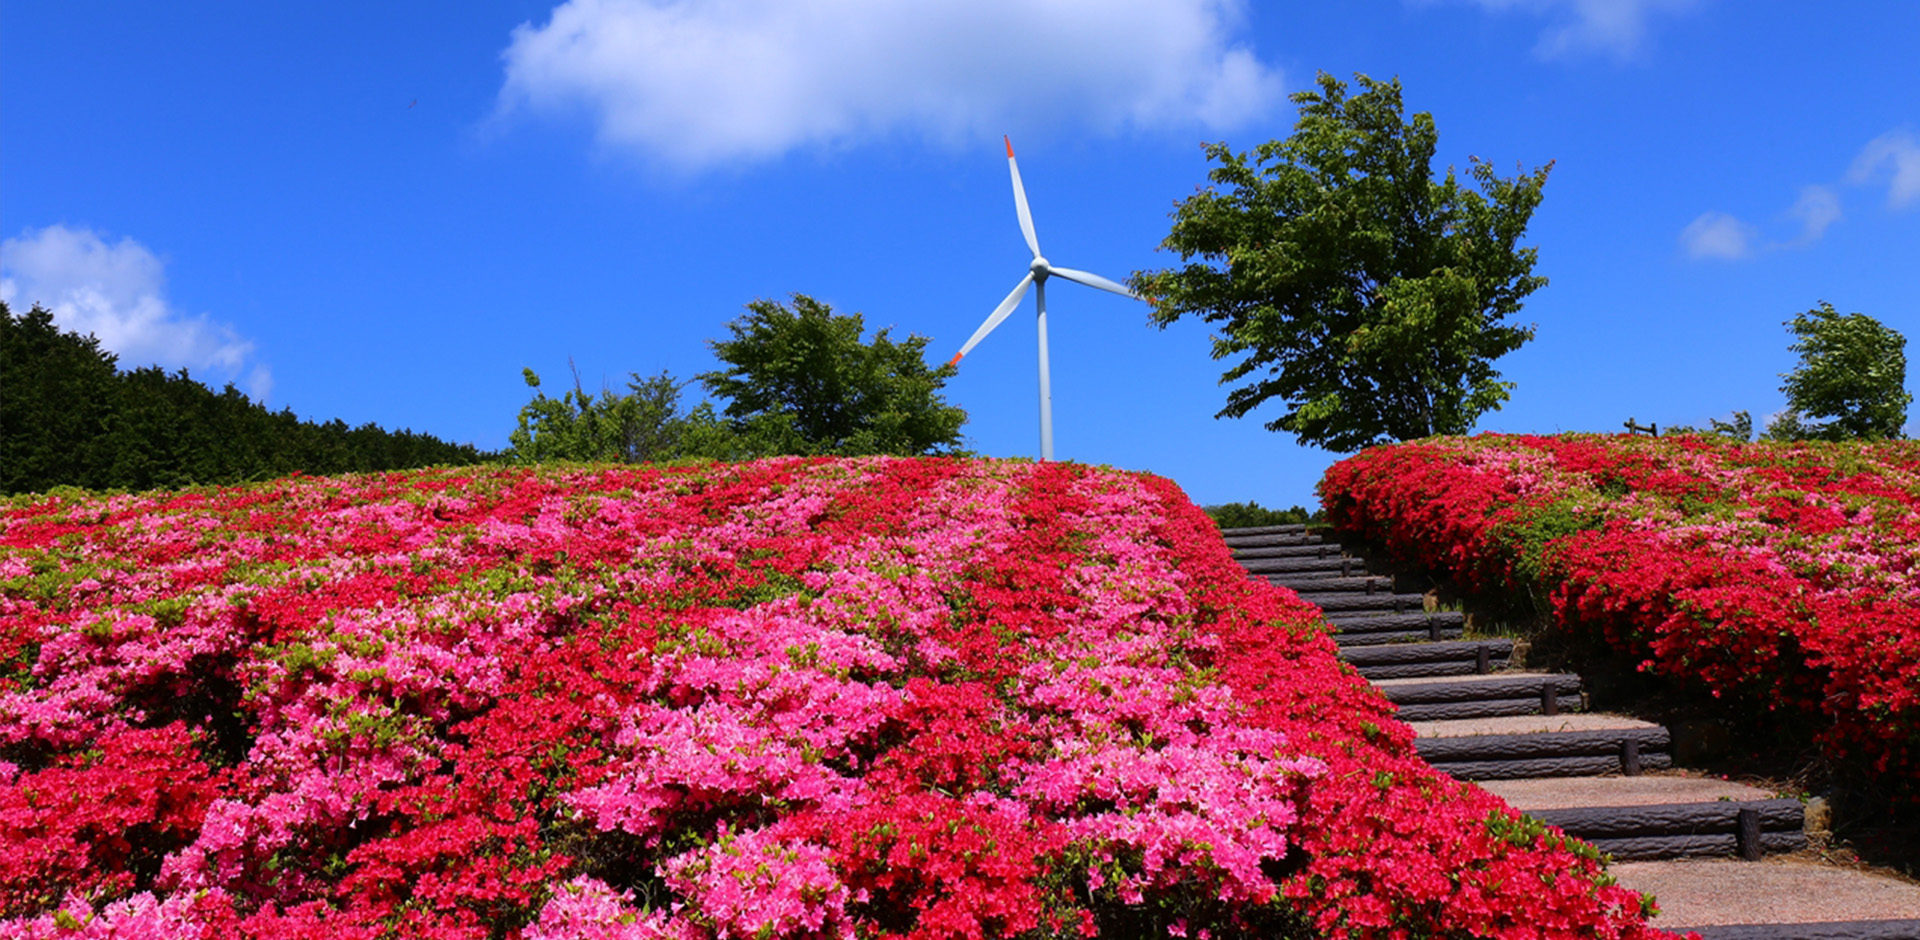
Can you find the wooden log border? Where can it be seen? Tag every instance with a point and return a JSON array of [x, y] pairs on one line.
[[1316, 550], [1362, 622], [1265, 541], [1433, 670], [1485, 708], [1348, 641], [1522, 685], [1363, 584], [1384, 603], [1603, 743], [1840, 930], [1716, 818], [1529, 768], [1297, 564], [1714, 845], [1296, 528], [1467, 651]]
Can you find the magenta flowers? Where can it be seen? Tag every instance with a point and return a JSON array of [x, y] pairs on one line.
[[796, 698]]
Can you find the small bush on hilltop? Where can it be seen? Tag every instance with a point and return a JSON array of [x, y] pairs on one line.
[[1250, 513]]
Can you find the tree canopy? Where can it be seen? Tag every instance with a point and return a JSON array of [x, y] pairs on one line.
[[1852, 372], [802, 380], [70, 417], [1348, 282], [645, 424]]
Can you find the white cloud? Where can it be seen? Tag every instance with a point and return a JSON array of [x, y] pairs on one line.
[[117, 292], [699, 84], [1817, 208], [1717, 235], [1899, 149], [1617, 27]]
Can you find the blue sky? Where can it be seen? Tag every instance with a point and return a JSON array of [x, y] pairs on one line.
[[383, 212]]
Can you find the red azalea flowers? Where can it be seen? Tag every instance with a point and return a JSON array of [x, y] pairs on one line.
[[795, 698], [1778, 577]]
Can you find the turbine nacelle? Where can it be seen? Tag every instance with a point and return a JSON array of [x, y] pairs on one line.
[[1040, 269]]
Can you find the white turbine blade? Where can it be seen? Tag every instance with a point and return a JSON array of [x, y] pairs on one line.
[[1093, 280], [999, 315], [1020, 201]]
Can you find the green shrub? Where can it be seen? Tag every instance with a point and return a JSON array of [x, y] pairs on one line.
[[1248, 514]]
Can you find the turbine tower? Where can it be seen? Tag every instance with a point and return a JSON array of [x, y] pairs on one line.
[[1037, 273]]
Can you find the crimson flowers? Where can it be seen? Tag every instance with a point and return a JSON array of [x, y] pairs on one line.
[[1781, 577], [879, 697]]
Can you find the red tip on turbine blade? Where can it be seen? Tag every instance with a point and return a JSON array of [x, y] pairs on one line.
[[1009, 141], [955, 360]]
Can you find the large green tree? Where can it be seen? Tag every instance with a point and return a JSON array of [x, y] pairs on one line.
[[1348, 282], [1852, 372], [802, 380]]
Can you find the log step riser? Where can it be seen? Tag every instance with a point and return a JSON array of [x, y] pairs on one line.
[[1496, 708], [1372, 638], [1848, 930], [1533, 687], [1541, 744], [1429, 670], [1321, 550], [1660, 848], [1534, 767]]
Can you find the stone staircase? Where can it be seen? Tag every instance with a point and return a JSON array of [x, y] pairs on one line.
[[1708, 849]]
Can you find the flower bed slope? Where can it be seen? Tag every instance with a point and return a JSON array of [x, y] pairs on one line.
[[1780, 578], [794, 698]]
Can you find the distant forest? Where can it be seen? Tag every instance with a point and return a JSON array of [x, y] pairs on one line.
[[70, 417]]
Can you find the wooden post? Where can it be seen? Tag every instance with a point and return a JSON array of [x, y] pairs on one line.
[[1433, 626], [1549, 700], [1482, 661], [1630, 757], [1748, 837]]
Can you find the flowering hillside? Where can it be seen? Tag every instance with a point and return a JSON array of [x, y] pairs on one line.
[[1779, 577], [794, 698]]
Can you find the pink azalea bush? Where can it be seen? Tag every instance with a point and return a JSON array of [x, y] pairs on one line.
[[794, 698]]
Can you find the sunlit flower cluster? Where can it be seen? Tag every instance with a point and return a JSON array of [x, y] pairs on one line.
[[1777, 577], [794, 698]]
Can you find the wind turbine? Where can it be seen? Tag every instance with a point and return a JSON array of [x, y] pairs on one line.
[[1037, 274]]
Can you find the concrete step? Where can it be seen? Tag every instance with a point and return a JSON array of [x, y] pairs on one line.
[[1481, 696], [1408, 660], [1775, 899], [1513, 747]]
